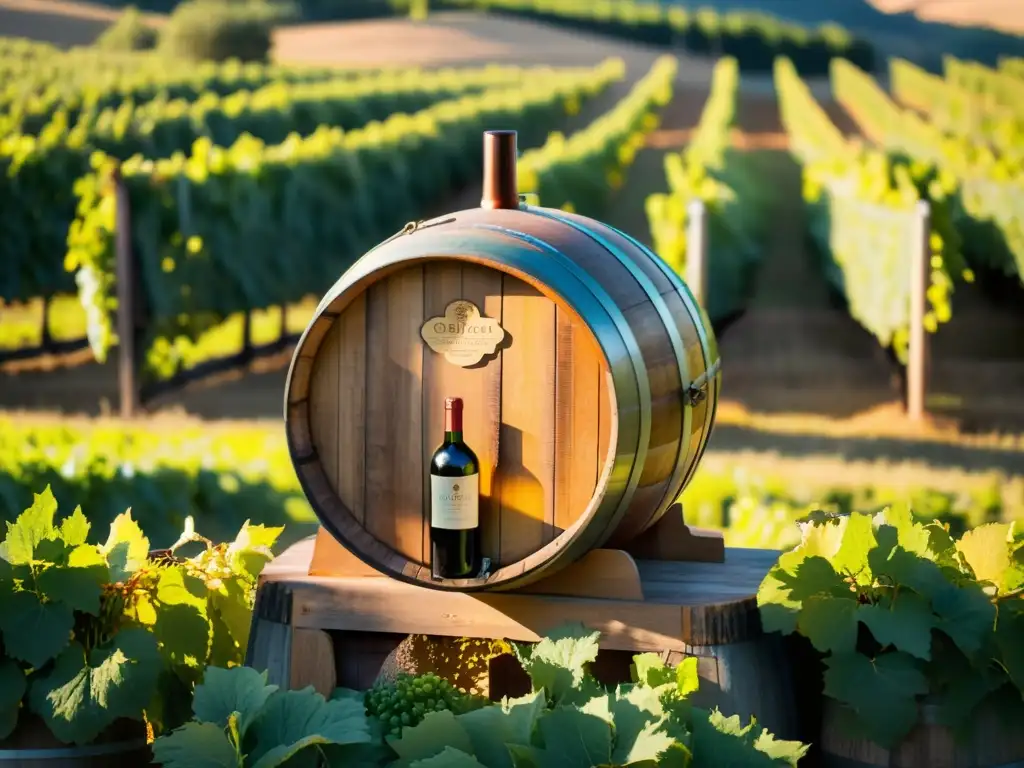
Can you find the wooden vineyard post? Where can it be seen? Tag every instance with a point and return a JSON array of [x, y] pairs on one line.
[[247, 348], [127, 371], [45, 338], [920, 277], [697, 249]]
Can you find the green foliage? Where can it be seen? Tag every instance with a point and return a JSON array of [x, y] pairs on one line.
[[407, 699], [241, 722], [88, 80], [194, 217], [902, 610], [571, 720], [753, 38], [93, 633], [987, 211], [217, 30], [37, 197], [568, 721], [764, 512], [581, 173], [274, 112], [957, 111], [129, 33], [861, 206], [710, 171], [218, 477], [1001, 86]]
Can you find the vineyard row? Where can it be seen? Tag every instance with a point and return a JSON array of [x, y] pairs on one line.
[[40, 172]]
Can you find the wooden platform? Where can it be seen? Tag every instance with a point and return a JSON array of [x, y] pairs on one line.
[[330, 631]]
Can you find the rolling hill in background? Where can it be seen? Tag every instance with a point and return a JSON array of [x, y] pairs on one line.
[[920, 30]]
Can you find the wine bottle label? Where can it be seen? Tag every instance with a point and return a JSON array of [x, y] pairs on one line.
[[455, 502]]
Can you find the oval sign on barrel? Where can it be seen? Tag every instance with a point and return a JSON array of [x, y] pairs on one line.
[[462, 335]]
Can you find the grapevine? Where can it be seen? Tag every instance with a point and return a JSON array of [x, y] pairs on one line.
[[861, 208], [582, 171], [44, 152], [283, 223], [74, 610], [404, 702], [708, 170], [983, 200], [901, 610]]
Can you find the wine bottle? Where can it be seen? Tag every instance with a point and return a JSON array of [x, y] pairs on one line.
[[454, 502]]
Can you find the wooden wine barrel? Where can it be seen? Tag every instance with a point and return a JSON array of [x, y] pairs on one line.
[[993, 743], [589, 383]]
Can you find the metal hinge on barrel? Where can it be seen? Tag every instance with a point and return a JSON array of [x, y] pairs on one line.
[[697, 392]]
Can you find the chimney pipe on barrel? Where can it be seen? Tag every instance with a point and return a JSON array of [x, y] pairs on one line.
[[500, 185]]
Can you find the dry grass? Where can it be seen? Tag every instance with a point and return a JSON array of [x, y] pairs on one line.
[[883, 421]]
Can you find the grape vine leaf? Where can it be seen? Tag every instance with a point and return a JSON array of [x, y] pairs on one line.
[[830, 624], [1008, 636], [182, 626], [905, 623], [224, 650], [815, 576], [74, 529], [789, 752], [490, 729], [434, 732], [966, 614], [195, 745], [224, 692], [449, 758], [80, 697], [940, 544], [882, 691], [779, 612], [251, 549], [574, 739], [986, 550], [896, 526], [687, 676], [12, 689], [906, 569], [723, 742], [30, 529], [649, 669], [34, 631], [639, 721], [230, 599], [126, 548], [858, 541], [821, 538], [291, 721], [957, 685], [558, 663], [796, 576], [78, 584]]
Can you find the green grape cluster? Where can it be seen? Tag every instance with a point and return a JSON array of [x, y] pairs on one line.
[[409, 698]]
